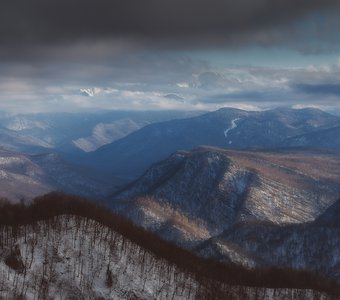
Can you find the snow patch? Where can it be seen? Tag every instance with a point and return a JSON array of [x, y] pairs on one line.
[[233, 126]]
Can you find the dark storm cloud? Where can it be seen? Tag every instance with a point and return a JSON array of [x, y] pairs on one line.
[[319, 89], [54, 21], [251, 96], [138, 52], [122, 68]]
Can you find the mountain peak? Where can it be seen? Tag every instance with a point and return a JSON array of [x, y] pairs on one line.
[[227, 128]]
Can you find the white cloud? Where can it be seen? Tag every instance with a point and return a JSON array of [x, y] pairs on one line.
[[183, 85], [237, 86]]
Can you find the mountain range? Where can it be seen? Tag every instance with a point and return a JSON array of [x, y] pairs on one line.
[[228, 128], [74, 132], [129, 144], [252, 191]]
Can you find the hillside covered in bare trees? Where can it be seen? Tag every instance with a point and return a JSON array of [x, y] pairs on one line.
[[66, 248]]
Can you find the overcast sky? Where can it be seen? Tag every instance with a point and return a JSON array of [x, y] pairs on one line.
[[72, 55]]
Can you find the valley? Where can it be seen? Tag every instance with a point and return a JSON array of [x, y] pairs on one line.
[[242, 189], [169, 150]]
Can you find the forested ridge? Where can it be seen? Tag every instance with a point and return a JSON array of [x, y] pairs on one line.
[[214, 279]]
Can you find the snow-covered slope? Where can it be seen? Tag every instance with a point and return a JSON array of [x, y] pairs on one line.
[[195, 195], [81, 259], [20, 178], [23, 142], [312, 246], [69, 256], [105, 133], [233, 126], [199, 199], [19, 123]]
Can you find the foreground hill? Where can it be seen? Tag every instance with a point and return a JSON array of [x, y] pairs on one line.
[[65, 248], [216, 202], [227, 128]]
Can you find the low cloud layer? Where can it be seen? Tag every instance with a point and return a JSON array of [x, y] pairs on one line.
[[319, 89], [70, 55], [199, 87]]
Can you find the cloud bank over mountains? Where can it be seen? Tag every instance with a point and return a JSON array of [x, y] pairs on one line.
[[136, 53], [54, 22]]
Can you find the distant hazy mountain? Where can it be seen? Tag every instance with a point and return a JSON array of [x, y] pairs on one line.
[[23, 177], [26, 143], [136, 148], [228, 128], [74, 179], [20, 178], [229, 204], [69, 132], [35, 139], [328, 138], [105, 133]]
